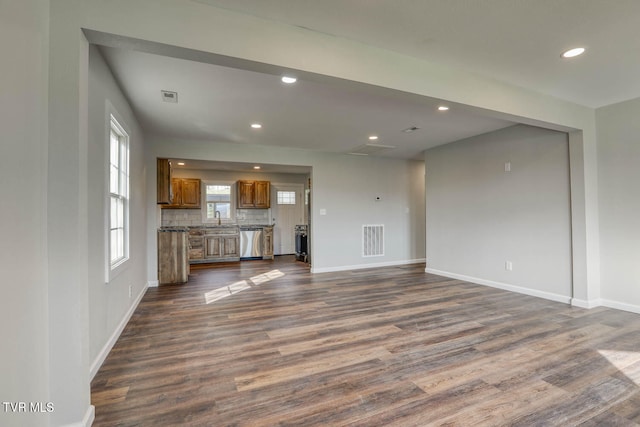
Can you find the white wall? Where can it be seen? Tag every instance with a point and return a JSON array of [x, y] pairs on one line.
[[24, 357], [344, 185], [479, 216], [619, 178], [109, 301]]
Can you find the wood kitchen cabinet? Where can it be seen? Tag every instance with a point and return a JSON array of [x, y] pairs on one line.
[[164, 196], [196, 244], [186, 193], [214, 244], [267, 243], [222, 246], [173, 263], [254, 194]]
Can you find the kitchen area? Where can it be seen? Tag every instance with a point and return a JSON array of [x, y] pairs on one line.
[[212, 213]]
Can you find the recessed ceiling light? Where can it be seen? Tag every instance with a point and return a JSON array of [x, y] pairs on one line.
[[289, 79], [373, 137], [256, 167], [180, 163], [443, 108], [573, 52], [256, 125]]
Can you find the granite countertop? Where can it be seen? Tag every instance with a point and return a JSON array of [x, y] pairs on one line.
[[176, 228], [214, 226]]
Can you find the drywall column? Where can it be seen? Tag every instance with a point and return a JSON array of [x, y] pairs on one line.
[[24, 362], [67, 216], [585, 240]]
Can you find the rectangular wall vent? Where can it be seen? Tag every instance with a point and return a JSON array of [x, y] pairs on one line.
[[169, 96], [373, 240]]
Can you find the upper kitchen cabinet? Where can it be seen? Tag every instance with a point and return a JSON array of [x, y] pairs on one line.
[[186, 193], [164, 182], [254, 194]]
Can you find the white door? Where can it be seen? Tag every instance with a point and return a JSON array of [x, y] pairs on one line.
[[287, 208]]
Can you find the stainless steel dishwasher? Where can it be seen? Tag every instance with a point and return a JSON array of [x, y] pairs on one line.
[[250, 242]]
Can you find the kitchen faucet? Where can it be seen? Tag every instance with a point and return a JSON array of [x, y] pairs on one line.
[[217, 215]]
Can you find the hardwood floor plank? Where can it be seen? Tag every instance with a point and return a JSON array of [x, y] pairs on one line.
[[377, 347]]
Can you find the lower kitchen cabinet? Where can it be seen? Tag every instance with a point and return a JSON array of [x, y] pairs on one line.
[[173, 264], [196, 244], [221, 247], [267, 243], [214, 244]]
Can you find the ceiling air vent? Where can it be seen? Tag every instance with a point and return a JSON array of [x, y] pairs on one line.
[[366, 149], [410, 129], [168, 96]]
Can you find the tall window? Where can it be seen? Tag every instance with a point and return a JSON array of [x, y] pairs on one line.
[[218, 200], [118, 194]]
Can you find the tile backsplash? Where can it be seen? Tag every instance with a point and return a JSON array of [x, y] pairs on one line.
[[187, 217], [252, 216], [181, 217]]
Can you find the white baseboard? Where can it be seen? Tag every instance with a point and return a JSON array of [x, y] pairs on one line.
[[361, 266], [583, 303], [99, 360], [152, 284], [89, 416], [505, 286], [621, 306], [87, 420]]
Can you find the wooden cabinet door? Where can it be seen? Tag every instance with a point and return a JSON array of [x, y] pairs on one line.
[[230, 246], [245, 194], [267, 242], [190, 193], [212, 247], [262, 195], [176, 193], [163, 182], [196, 247]]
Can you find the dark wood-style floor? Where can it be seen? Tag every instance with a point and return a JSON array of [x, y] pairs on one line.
[[269, 344]]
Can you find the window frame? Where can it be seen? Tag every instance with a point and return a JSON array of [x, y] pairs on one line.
[[116, 125], [288, 199], [232, 202]]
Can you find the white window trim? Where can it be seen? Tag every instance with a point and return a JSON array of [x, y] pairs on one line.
[[203, 208], [112, 271]]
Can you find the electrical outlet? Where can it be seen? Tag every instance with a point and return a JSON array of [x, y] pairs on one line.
[[508, 265], [507, 167], [130, 291]]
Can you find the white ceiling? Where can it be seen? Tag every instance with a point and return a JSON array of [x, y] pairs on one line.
[[516, 41], [219, 104]]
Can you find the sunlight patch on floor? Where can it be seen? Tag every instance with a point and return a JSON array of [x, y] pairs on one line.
[[242, 285], [627, 362], [266, 277]]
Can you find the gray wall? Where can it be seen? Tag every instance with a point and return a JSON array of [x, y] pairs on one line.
[[479, 216], [24, 357], [619, 198], [109, 301]]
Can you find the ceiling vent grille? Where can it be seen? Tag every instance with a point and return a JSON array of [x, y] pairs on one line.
[[366, 149], [373, 240], [168, 96]]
